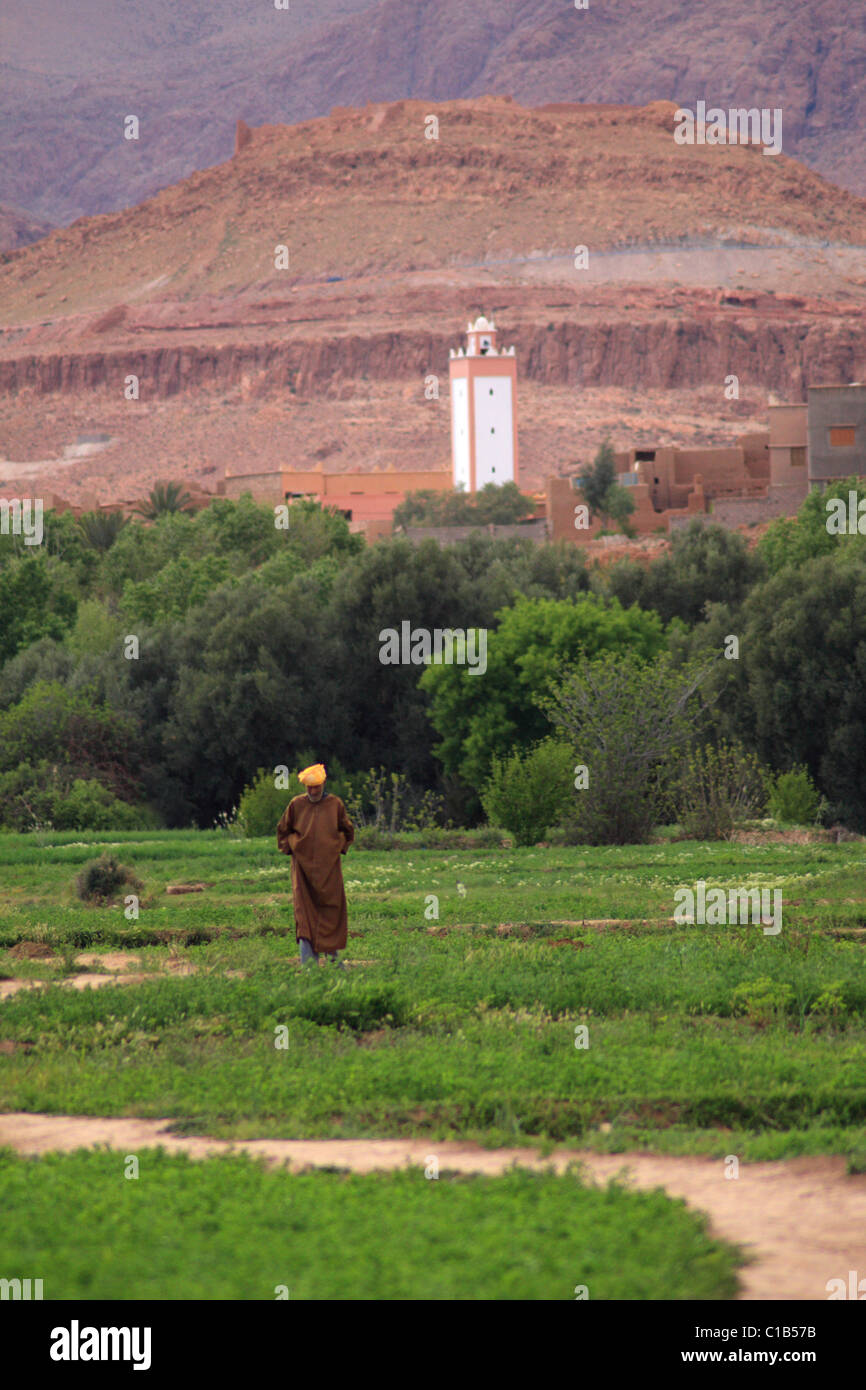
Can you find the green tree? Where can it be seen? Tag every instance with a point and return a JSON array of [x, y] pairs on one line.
[[74, 731], [705, 564], [629, 723], [597, 480], [36, 600], [164, 497], [182, 584], [618, 505], [499, 504], [477, 717], [317, 531], [101, 529], [803, 663], [788, 542]]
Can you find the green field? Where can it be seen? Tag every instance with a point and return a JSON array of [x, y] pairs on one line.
[[229, 1229], [712, 1040]]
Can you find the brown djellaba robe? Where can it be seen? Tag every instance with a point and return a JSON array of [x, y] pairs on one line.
[[315, 834]]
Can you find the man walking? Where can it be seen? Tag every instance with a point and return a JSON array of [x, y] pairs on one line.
[[315, 830]]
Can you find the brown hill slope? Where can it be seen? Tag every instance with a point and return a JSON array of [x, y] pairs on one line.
[[18, 228], [70, 73], [364, 192]]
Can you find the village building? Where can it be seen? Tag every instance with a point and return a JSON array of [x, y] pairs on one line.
[[755, 478]]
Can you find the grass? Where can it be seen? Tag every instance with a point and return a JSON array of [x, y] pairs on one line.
[[471, 970], [229, 1228], [447, 1027]]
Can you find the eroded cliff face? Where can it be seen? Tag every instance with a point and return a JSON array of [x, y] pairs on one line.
[[671, 353]]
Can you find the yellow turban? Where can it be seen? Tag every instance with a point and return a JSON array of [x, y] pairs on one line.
[[313, 776]]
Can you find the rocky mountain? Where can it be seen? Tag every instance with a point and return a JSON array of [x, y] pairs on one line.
[[363, 193], [289, 304], [71, 74]]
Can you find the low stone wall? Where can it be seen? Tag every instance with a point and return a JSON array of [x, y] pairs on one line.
[[739, 511], [743, 511]]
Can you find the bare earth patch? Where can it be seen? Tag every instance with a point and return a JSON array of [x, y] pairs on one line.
[[802, 1222], [116, 962], [111, 960]]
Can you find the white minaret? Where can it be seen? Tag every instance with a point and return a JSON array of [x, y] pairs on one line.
[[483, 410]]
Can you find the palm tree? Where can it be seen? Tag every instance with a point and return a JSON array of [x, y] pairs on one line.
[[101, 529], [165, 497]]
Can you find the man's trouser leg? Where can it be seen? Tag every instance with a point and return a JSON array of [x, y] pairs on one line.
[[308, 955]]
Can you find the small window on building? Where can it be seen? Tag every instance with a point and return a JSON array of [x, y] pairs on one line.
[[798, 458], [655, 480], [645, 456], [842, 436]]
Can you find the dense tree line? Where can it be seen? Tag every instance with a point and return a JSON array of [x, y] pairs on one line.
[[156, 665]]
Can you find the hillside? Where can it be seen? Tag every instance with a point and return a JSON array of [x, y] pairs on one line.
[[18, 228], [70, 74], [363, 192], [702, 261]]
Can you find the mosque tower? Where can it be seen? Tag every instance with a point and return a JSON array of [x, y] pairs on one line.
[[483, 410]]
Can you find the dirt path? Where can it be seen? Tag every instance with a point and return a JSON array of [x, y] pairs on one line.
[[802, 1221]]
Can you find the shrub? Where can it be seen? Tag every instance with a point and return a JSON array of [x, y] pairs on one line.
[[794, 797], [719, 787], [102, 879], [42, 796], [262, 804], [831, 1002], [762, 1000], [90, 806], [388, 802], [526, 793]]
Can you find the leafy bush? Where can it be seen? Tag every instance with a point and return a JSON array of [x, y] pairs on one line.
[[630, 723], [763, 999], [794, 797], [387, 802], [73, 731], [831, 1002], [262, 804], [45, 796], [102, 879], [719, 787], [526, 793]]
